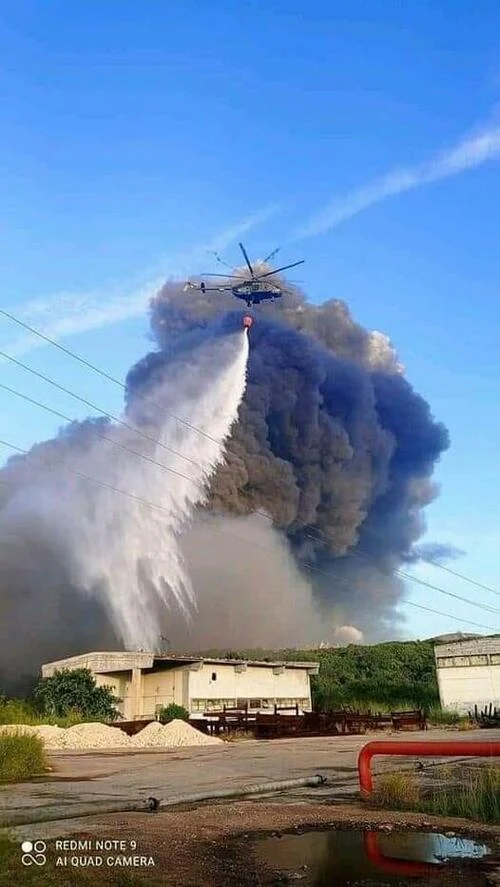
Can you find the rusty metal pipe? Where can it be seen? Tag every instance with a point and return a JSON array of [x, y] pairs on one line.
[[444, 749]]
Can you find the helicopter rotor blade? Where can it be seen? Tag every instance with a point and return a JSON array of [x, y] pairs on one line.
[[271, 256], [231, 276], [247, 260], [284, 268], [219, 260]]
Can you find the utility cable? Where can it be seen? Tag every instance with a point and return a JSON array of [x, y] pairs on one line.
[[102, 373], [156, 506], [160, 465], [150, 400]]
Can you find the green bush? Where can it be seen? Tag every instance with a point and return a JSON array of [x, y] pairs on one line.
[[173, 712], [74, 692], [21, 756]]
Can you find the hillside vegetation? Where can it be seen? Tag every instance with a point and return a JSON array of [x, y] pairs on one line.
[[397, 674]]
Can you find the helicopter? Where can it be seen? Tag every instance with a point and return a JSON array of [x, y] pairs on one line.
[[252, 290]]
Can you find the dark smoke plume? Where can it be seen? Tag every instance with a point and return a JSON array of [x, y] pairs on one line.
[[333, 444], [333, 448]]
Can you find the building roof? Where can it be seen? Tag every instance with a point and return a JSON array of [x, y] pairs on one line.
[[109, 661], [459, 638]]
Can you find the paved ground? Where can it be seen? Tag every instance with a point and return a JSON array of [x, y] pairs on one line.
[[82, 778]]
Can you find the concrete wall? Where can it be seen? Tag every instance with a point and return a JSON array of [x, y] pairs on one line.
[[99, 663], [160, 688], [468, 673], [214, 684], [120, 683]]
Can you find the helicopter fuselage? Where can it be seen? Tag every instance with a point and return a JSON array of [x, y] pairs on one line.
[[252, 292]]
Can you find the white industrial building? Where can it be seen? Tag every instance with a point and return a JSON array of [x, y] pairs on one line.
[[468, 673], [145, 682]]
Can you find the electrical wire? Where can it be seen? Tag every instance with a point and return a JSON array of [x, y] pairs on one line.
[[462, 576], [157, 506], [150, 400], [98, 434], [117, 444], [102, 373]]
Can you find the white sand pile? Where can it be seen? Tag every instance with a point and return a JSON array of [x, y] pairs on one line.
[[173, 735], [47, 732], [81, 737], [87, 737]]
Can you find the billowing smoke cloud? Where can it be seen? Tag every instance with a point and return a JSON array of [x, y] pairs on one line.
[[320, 497], [333, 444]]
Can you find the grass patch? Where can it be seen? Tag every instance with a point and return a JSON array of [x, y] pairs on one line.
[[476, 796], [17, 711], [473, 793], [399, 791], [21, 757], [441, 717]]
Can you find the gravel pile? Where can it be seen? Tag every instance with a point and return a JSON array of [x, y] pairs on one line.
[[83, 736], [173, 735], [87, 737], [78, 738]]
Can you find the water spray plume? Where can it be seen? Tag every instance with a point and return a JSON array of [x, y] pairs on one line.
[[121, 551]]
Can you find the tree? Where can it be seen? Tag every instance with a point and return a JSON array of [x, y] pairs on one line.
[[75, 690]]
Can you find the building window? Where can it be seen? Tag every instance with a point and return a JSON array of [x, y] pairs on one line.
[[255, 703], [445, 662], [198, 705], [214, 675], [495, 658], [479, 660]]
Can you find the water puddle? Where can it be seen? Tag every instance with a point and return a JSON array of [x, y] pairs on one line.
[[325, 858]]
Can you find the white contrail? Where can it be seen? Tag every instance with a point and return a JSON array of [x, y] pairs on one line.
[[68, 314], [470, 152]]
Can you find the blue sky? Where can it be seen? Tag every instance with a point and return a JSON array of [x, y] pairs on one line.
[[134, 136]]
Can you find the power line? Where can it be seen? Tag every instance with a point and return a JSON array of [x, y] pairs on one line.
[[98, 434], [157, 506], [403, 575], [449, 616], [111, 378], [462, 576], [92, 406], [102, 373], [457, 597], [146, 458]]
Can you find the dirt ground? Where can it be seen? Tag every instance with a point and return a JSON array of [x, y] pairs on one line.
[[124, 777], [212, 845]]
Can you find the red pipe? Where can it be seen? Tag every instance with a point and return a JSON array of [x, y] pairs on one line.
[[445, 749], [393, 866]]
